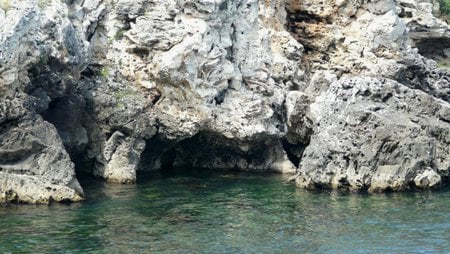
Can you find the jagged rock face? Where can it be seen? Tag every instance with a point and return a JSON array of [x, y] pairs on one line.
[[322, 88], [34, 167], [41, 54], [370, 132], [214, 69], [369, 135]]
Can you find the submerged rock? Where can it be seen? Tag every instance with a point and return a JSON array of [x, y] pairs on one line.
[[344, 94]]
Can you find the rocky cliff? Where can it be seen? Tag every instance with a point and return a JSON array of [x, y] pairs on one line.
[[350, 94]]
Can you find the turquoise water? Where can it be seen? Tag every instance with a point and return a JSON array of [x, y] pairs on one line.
[[201, 212]]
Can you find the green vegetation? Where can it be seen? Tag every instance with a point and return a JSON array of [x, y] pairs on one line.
[[443, 63], [44, 60], [119, 34], [444, 6], [104, 72], [119, 95], [5, 5]]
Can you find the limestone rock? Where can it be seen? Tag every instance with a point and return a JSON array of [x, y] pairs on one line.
[[428, 179], [368, 135], [418, 15], [349, 94], [120, 159], [217, 69], [34, 166], [41, 55]]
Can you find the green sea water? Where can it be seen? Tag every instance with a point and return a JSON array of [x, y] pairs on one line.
[[205, 212]]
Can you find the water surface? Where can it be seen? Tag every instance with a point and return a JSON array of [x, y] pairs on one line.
[[202, 212]]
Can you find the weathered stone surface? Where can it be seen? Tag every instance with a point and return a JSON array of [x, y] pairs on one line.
[[41, 55], [368, 135], [220, 68], [324, 88], [363, 137], [418, 15], [34, 167], [120, 158]]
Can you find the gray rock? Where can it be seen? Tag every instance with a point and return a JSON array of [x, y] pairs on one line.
[[120, 159], [188, 69], [41, 55], [428, 179], [341, 89], [375, 134], [34, 166]]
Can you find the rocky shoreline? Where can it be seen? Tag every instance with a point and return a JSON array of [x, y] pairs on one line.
[[348, 94]]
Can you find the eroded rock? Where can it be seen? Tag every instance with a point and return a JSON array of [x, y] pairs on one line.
[[41, 54], [343, 90], [34, 166], [193, 67], [368, 135]]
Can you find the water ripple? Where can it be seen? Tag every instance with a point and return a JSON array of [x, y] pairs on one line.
[[229, 213]]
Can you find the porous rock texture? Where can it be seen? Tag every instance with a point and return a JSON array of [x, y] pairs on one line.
[[340, 93], [41, 55]]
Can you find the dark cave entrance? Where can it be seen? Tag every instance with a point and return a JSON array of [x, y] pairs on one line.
[[437, 49], [168, 159], [216, 153], [154, 154], [293, 152], [54, 96]]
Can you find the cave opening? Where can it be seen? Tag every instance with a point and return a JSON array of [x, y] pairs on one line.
[[291, 154], [437, 49], [168, 159], [156, 149], [216, 153], [54, 97], [66, 114]]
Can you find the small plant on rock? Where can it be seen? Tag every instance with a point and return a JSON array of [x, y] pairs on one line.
[[444, 7], [119, 34], [104, 72], [44, 60]]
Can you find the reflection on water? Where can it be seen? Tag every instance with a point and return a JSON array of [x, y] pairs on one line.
[[232, 213]]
